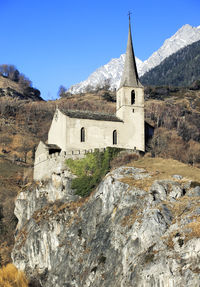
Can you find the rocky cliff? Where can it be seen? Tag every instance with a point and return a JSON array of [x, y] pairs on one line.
[[131, 231]]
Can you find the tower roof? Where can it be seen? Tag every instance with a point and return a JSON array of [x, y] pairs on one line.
[[130, 75]]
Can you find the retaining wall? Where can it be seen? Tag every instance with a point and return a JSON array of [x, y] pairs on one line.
[[46, 164]]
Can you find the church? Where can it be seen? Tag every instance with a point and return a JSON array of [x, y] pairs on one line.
[[83, 130], [72, 130]]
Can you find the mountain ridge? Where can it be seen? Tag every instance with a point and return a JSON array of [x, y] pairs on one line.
[[179, 69], [110, 73]]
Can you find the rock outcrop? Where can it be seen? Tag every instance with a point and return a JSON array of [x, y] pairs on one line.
[[124, 234]]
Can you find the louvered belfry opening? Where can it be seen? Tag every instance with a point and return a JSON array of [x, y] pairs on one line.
[[132, 97]]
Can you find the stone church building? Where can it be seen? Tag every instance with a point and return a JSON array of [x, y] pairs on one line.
[[80, 130]]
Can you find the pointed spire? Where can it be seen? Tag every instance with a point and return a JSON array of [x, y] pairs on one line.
[[130, 75]]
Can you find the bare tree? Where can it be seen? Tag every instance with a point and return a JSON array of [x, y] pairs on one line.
[[62, 92]]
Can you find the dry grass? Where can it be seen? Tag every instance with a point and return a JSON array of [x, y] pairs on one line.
[[184, 207], [188, 232], [160, 168], [7, 83], [10, 276], [192, 229], [143, 184], [130, 219], [123, 159], [93, 102], [57, 208], [5, 251], [10, 178]]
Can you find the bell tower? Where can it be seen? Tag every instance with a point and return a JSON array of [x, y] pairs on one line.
[[130, 99]]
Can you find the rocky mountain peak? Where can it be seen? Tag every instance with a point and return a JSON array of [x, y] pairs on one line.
[[112, 71]]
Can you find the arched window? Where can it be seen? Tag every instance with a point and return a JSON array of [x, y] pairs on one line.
[[132, 97], [114, 137], [82, 134]]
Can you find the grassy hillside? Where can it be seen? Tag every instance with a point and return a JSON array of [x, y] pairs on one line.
[[24, 123], [15, 90], [7, 83], [175, 113], [11, 179]]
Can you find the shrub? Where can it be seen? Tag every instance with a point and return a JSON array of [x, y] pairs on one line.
[[123, 159], [167, 144], [108, 97], [193, 152], [195, 85], [62, 91], [10, 276], [90, 170]]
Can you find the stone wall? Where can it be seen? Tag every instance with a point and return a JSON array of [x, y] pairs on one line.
[[45, 165]]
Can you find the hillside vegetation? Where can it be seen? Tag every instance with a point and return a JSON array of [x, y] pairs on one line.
[[14, 90], [180, 69], [90, 170], [175, 113], [11, 277], [25, 120]]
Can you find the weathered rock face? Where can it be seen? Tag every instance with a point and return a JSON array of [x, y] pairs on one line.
[[120, 236]]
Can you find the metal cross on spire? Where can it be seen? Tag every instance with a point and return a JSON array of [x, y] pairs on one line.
[[129, 15]]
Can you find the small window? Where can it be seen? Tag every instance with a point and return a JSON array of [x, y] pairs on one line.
[[132, 97], [82, 134], [114, 137]]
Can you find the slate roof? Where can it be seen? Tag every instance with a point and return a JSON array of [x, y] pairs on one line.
[[52, 146], [90, 115]]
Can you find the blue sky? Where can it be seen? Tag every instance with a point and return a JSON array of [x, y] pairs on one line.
[[61, 42]]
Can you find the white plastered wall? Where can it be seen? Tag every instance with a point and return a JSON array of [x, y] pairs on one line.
[[133, 117], [98, 134], [41, 151], [41, 155], [58, 130]]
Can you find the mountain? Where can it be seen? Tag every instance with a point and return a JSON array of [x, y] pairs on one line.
[[110, 73], [183, 37], [179, 69]]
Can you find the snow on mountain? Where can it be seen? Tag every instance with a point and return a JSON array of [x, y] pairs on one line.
[[183, 37], [110, 74]]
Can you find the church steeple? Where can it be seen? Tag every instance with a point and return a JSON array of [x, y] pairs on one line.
[[130, 75]]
